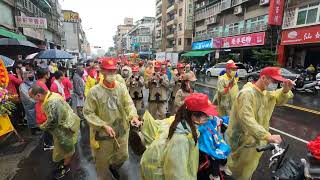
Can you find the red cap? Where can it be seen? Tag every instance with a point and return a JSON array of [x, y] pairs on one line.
[[179, 65], [108, 64], [200, 102], [157, 65], [273, 72], [141, 63], [231, 65], [135, 69], [164, 63]]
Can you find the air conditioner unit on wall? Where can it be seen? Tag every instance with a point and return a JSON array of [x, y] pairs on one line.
[[237, 10], [264, 2]]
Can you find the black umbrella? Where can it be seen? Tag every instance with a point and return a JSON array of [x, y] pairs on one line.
[[54, 54], [14, 47]]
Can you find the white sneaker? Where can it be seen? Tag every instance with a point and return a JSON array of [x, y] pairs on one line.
[[214, 177]]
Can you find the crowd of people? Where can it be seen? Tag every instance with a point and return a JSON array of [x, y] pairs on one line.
[[108, 94]]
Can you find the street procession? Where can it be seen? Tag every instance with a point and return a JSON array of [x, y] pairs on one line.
[[160, 90]]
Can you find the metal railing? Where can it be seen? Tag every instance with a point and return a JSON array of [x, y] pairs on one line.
[[28, 6], [245, 30]]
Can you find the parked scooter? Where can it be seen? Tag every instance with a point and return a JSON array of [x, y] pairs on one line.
[[288, 168], [303, 85]]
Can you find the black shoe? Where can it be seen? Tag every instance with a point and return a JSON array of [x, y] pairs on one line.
[[61, 172], [114, 173]]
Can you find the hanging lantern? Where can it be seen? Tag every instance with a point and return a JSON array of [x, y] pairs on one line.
[[4, 78]]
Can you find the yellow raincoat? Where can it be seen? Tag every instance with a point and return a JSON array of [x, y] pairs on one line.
[[62, 123], [224, 100], [249, 127], [113, 107], [175, 159]]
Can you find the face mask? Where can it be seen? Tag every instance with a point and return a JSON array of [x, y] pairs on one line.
[[233, 73], [31, 78], [111, 78], [272, 86]]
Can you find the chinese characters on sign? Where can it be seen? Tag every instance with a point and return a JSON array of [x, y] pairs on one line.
[[276, 12], [31, 22], [301, 35], [255, 39]]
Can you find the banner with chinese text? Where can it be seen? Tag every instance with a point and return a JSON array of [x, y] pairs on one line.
[[31, 22], [255, 39], [310, 34], [276, 12]]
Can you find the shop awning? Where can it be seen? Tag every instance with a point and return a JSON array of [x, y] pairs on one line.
[[196, 53], [9, 34]]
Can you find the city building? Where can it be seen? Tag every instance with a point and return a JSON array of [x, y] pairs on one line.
[[38, 21], [300, 36], [174, 25], [223, 27], [141, 37], [75, 41], [122, 30]]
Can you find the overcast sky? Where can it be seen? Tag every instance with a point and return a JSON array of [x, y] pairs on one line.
[[103, 16]]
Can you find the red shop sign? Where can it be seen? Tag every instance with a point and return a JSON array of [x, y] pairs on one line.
[[301, 35], [276, 12], [256, 39]]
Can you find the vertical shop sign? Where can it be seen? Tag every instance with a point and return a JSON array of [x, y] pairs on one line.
[[276, 12]]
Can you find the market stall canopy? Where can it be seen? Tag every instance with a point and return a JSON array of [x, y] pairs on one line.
[[196, 53], [7, 61], [14, 47], [54, 54]]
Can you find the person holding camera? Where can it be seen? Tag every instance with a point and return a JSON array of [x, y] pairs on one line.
[[135, 85], [158, 86]]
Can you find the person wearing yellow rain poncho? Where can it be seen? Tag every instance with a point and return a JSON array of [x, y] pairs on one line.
[[175, 154], [90, 83], [108, 107], [249, 120], [62, 123], [227, 89]]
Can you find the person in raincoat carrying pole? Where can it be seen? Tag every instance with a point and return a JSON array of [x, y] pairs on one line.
[[62, 123], [249, 120], [227, 89], [108, 107]]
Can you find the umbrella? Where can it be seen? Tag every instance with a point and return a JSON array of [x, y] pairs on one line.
[[54, 54], [7, 61], [31, 56], [13, 47]]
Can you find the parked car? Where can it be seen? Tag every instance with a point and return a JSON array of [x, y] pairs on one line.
[[218, 68], [286, 73]]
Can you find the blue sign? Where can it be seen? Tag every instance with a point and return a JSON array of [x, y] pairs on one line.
[[207, 44]]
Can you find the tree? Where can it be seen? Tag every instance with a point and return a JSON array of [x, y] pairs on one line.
[[265, 57]]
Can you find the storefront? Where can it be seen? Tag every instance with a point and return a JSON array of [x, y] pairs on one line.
[[300, 46]]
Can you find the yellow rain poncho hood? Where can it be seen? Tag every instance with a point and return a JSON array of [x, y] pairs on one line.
[[249, 127], [159, 161]]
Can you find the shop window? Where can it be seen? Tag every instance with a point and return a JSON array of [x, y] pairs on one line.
[[308, 14], [179, 41]]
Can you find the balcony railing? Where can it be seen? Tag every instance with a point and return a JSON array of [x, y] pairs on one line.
[[246, 30], [28, 6]]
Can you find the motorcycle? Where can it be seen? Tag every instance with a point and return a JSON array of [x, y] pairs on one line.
[[304, 85], [282, 168]]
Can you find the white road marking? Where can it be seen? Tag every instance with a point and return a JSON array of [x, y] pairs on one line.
[[289, 135]]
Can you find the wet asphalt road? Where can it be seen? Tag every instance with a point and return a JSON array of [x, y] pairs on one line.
[[300, 124]]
